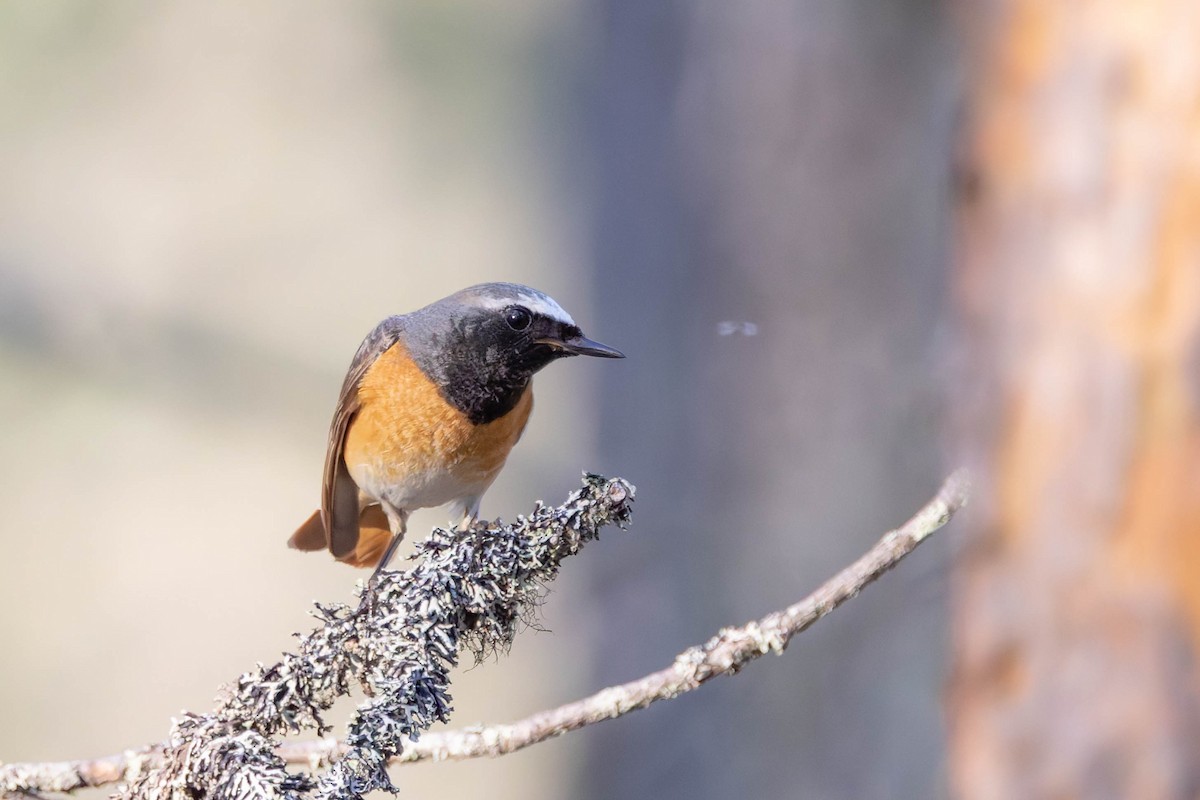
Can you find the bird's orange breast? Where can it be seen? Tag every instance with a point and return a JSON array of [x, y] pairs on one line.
[[407, 436]]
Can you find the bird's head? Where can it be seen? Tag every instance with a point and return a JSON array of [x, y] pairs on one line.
[[484, 343]]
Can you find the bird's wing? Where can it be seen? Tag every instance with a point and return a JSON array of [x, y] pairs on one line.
[[339, 493]]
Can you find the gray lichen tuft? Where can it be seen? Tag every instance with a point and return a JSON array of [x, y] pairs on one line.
[[467, 590]]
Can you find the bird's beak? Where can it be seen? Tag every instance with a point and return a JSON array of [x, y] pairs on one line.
[[583, 346]]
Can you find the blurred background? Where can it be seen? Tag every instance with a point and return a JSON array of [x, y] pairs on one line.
[[845, 245]]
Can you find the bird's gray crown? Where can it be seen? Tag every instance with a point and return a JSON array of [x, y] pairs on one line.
[[496, 296]]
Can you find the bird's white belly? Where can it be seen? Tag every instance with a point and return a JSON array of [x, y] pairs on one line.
[[428, 489]]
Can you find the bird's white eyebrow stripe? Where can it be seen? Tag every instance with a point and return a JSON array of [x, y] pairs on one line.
[[537, 303]]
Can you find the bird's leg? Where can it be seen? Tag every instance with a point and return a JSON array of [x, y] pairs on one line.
[[398, 522], [470, 515]]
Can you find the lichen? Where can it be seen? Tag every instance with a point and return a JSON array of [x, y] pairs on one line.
[[469, 590]]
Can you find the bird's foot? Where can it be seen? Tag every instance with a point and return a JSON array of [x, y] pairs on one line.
[[473, 525]]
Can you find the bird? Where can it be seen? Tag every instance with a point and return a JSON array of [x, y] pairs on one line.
[[430, 408]]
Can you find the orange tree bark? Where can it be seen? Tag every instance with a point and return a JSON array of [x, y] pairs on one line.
[[1077, 614]]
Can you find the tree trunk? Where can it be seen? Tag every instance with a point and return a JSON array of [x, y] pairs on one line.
[[1077, 608]]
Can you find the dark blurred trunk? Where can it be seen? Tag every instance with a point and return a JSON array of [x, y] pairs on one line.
[[780, 164], [1077, 610]]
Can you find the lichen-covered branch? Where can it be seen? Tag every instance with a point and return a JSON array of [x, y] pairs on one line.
[[291, 694], [724, 654], [467, 589]]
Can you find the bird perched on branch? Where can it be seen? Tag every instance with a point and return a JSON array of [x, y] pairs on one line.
[[432, 405]]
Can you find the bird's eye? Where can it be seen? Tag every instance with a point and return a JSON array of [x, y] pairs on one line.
[[517, 317]]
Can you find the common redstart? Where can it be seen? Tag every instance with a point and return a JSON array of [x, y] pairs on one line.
[[432, 404]]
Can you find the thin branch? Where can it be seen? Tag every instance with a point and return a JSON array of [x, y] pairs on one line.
[[724, 654]]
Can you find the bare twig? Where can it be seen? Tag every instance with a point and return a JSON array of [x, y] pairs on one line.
[[724, 654]]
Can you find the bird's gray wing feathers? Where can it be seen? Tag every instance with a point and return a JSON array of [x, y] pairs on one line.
[[339, 493]]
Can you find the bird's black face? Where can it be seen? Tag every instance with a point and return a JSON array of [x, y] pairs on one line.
[[483, 356], [528, 341]]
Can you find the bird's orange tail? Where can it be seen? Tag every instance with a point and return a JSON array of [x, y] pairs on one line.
[[310, 535], [374, 535]]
